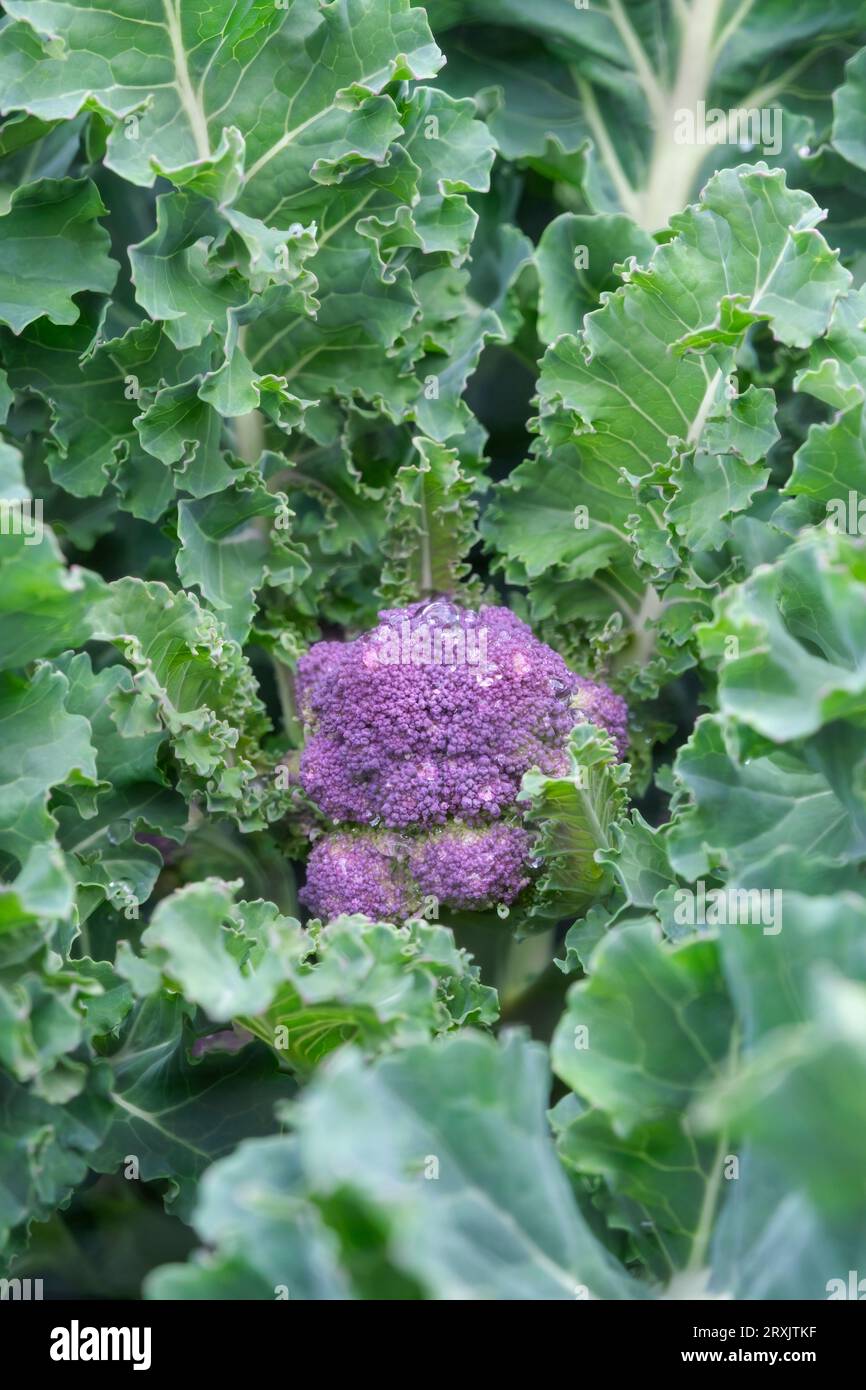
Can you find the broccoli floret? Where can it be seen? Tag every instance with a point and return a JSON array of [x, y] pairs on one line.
[[392, 876], [425, 726]]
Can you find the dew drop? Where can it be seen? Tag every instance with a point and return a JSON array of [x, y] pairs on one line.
[[439, 613]]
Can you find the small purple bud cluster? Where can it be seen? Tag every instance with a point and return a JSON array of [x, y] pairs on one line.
[[389, 876], [402, 738]]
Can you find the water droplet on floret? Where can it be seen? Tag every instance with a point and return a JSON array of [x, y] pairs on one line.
[[439, 613]]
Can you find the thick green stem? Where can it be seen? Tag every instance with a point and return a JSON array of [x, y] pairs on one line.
[[286, 691], [249, 436], [674, 168]]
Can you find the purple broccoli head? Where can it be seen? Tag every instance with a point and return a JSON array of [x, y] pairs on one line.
[[430, 721], [472, 867], [390, 876], [359, 871]]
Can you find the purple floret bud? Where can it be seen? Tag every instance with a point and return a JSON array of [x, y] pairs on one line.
[[357, 871], [471, 868], [391, 877], [597, 704]]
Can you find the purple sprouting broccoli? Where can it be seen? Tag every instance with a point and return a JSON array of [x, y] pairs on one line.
[[360, 871], [419, 733], [390, 876], [471, 867], [597, 704]]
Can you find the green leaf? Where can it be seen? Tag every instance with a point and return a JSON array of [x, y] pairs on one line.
[[181, 81], [376, 985], [647, 1058], [43, 746], [794, 640], [742, 806], [781, 1102], [252, 1211], [60, 215], [577, 256], [173, 281], [203, 688], [849, 105], [574, 816], [179, 428], [45, 1149], [430, 525], [231, 544], [639, 1040], [481, 1229], [306, 992], [44, 604], [175, 1113]]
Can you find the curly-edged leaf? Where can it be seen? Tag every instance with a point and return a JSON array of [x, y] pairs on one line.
[[134, 793], [42, 746], [650, 439], [836, 370], [376, 985], [45, 1149], [51, 248], [173, 281], [184, 431], [47, 1013], [629, 107], [576, 258], [792, 639], [540, 517], [232, 543], [430, 525], [709, 488], [638, 856], [626, 397], [187, 72], [574, 815], [203, 687], [306, 992], [454, 153], [175, 1112]]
